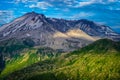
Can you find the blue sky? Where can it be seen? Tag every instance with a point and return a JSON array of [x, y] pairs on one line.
[[105, 12]]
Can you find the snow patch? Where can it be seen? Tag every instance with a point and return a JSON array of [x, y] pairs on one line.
[[5, 34], [28, 34]]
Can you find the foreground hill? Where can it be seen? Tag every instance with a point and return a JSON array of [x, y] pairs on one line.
[[16, 54], [99, 60]]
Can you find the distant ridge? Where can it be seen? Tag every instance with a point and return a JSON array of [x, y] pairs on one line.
[[101, 46]]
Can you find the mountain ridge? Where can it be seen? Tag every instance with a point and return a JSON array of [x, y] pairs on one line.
[[41, 30]]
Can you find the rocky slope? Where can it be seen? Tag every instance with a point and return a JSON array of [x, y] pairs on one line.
[[59, 34]]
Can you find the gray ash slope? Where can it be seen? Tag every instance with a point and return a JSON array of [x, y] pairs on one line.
[[56, 33]]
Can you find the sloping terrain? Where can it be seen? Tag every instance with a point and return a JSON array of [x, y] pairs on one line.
[[34, 38], [99, 60], [68, 33], [16, 54], [26, 58]]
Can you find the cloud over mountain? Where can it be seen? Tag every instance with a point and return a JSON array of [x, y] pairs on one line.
[[105, 11]]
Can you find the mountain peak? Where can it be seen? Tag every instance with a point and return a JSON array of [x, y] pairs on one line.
[[31, 12], [41, 30], [35, 14]]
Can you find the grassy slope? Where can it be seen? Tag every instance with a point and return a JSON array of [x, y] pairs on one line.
[[99, 60], [92, 66], [26, 58], [19, 62]]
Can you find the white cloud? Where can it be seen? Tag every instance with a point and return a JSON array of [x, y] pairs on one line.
[[113, 0], [117, 9], [90, 2], [6, 16], [83, 3], [116, 27], [82, 15], [24, 1], [41, 5], [66, 10], [68, 1], [52, 0], [56, 8], [113, 8]]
